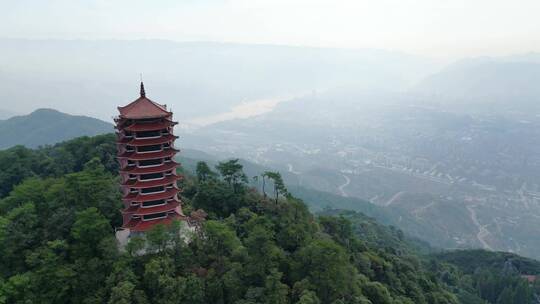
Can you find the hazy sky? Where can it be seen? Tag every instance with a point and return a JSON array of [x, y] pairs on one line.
[[439, 28]]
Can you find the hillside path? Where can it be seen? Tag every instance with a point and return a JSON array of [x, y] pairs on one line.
[[482, 231], [342, 187], [394, 198]]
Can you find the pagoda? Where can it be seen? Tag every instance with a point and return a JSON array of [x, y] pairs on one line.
[[148, 175]]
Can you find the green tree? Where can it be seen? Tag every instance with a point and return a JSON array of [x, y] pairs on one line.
[[21, 235], [88, 231], [326, 265], [232, 173], [52, 275], [377, 293], [506, 297], [122, 293], [279, 185], [204, 172], [308, 297], [158, 237], [275, 291]]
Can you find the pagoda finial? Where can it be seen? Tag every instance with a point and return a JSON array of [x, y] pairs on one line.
[[143, 93]]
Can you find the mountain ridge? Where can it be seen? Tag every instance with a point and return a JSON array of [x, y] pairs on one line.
[[48, 126]]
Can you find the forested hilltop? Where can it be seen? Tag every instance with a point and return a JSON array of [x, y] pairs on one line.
[[48, 126], [59, 206]]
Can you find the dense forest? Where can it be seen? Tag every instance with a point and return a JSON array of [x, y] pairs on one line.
[[59, 206]]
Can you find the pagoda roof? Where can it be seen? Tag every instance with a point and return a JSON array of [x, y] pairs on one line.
[[153, 183], [161, 168], [141, 126], [131, 197], [143, 107], [140, 225], [138, 210], [149, 155], [147, 141]]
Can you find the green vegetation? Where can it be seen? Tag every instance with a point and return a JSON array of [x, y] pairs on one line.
[[59, 207]]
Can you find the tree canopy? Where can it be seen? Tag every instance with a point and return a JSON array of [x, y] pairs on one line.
[[57, 244]]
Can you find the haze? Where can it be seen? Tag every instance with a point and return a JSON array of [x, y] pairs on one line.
[[443, 29]]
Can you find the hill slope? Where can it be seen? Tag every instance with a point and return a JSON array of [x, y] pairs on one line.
[[47, 126], [250, 250]]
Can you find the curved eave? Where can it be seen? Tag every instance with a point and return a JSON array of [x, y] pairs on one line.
[[157, 169], [143, 107], [139, 225], [146, 142], [151, 210], [142, 116], [130, 197], [153, 183], [151, 155], [149, 126]]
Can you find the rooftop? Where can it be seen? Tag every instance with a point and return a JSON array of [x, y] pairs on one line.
[[143, 107]]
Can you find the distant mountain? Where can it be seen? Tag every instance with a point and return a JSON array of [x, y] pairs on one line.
[[495, 86], [194, 78], [5, 114], [47, 126]]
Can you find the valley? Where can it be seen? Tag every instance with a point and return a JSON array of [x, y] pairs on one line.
[[464, 180]]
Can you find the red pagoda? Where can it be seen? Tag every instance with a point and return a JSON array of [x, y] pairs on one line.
[[147, 167]]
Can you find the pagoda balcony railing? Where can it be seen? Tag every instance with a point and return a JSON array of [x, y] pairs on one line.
[[150, 166], [148, 134], [154, 216], [147, 137], [154, 205], [151, 179], [154, 192], [150, 151]]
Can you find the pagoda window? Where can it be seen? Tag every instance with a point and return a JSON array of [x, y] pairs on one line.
[[153, 203], [151, 176], [153, 190], [150, 162], [147, 149], [154, 216], [148, 134]]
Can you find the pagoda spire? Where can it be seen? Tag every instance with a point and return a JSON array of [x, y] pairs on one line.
[[143, 93]]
